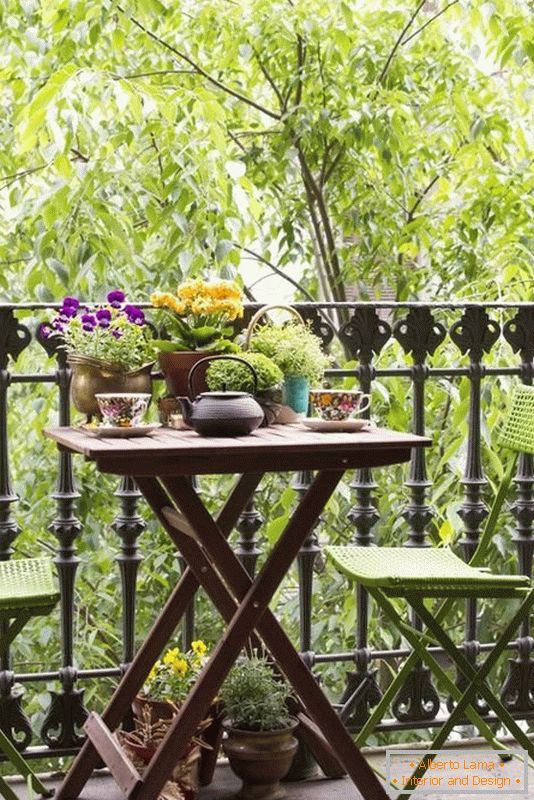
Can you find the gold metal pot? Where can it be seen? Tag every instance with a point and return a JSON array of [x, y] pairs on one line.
[[92, 375]]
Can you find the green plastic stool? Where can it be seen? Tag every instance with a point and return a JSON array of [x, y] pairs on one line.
[[415, 574], [27, 589]]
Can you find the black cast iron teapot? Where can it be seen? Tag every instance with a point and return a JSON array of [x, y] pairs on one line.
[[222, 413]]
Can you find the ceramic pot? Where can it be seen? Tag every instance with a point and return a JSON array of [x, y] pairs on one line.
[[185, 774], [159, 709], [295, 393], [176, 368], [91, 376], [261, 759]]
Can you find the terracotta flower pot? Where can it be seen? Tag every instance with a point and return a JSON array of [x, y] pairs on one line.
[[159, 709], [176, 368], [91, 376], [261, 759]]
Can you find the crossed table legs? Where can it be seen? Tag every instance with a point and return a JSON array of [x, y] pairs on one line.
[[244, 604]]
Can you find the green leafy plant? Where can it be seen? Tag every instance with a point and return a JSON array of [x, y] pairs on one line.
[[235, 376], [197, 316], [171, 678], [254, 697], [293, 347]]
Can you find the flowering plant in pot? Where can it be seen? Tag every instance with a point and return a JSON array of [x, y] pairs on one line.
[[260, 744], [197, 319], [169, 681], [165, 689], [110, 348]]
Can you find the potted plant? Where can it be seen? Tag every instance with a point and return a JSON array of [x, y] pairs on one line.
[[165, 689], [298, 353], [230, 375], [109, 347], [260, 744], [141, 743], [196, 319], [169, 681]]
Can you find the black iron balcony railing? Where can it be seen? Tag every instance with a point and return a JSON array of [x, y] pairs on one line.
[[432, 348]]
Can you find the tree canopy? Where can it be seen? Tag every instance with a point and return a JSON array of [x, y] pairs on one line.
[[372, 142]]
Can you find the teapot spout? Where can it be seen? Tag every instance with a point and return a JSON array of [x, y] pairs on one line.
[[187, 408]]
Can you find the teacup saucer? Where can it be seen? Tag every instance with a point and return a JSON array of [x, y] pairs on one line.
[[120, 432], [339, 425]]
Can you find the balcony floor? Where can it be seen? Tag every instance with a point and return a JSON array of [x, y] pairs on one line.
[[226, 785]]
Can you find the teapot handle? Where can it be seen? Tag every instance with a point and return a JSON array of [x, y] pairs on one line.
[[217, 358]]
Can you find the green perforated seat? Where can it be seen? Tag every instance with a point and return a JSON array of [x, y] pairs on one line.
[[27, 583], [418, 573], [27, 589], [427, 570]]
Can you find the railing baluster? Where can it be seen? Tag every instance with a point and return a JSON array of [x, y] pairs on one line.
[[14, 338], [475, 334], [419, 335], [364, 335], [129, 525], [66, 714], [248, 524]]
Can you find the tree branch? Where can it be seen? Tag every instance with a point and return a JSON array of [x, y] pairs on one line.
[[419, 30], [422, 194], [277, 271], [268, 77], [337, 286], [200, 70], [118, 77], [398, 42]]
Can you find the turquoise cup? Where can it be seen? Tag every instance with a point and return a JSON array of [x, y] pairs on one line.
[[296, 393]]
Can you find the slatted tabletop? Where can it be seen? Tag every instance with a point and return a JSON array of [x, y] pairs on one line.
[[273, 449]]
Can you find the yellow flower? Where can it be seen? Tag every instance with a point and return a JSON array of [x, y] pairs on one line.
[[153, 672], [171, 656], [198, 647], [180, 667]]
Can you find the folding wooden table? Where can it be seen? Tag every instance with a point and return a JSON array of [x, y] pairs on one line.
[[161, 464]]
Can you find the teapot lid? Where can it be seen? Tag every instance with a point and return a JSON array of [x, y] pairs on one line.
[[223, 395]]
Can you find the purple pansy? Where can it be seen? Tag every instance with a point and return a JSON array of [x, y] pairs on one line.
[[58, 325], [115, 298], [45, 331], [134, 315], [70, 302], [116, 333], [103, 316], [67, 312], [88, 322]]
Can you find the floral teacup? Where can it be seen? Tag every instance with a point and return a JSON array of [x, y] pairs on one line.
[[338, 404], [122, 410]]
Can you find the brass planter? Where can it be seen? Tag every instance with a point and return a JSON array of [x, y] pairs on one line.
[[92, 375], [261, 759]]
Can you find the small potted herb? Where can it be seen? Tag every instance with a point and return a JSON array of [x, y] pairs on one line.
[[233, 376], [298, 353], [260, 744]]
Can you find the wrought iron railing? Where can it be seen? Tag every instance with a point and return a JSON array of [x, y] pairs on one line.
[[436, 342]]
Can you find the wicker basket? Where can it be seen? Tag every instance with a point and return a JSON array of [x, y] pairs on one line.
[[274, 412]]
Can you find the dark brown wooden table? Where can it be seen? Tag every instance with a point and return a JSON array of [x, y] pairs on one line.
[[161, 464]]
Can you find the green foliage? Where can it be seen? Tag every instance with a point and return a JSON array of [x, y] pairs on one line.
[[376, 143], [254, 697], [238, 378], [293, 348]]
